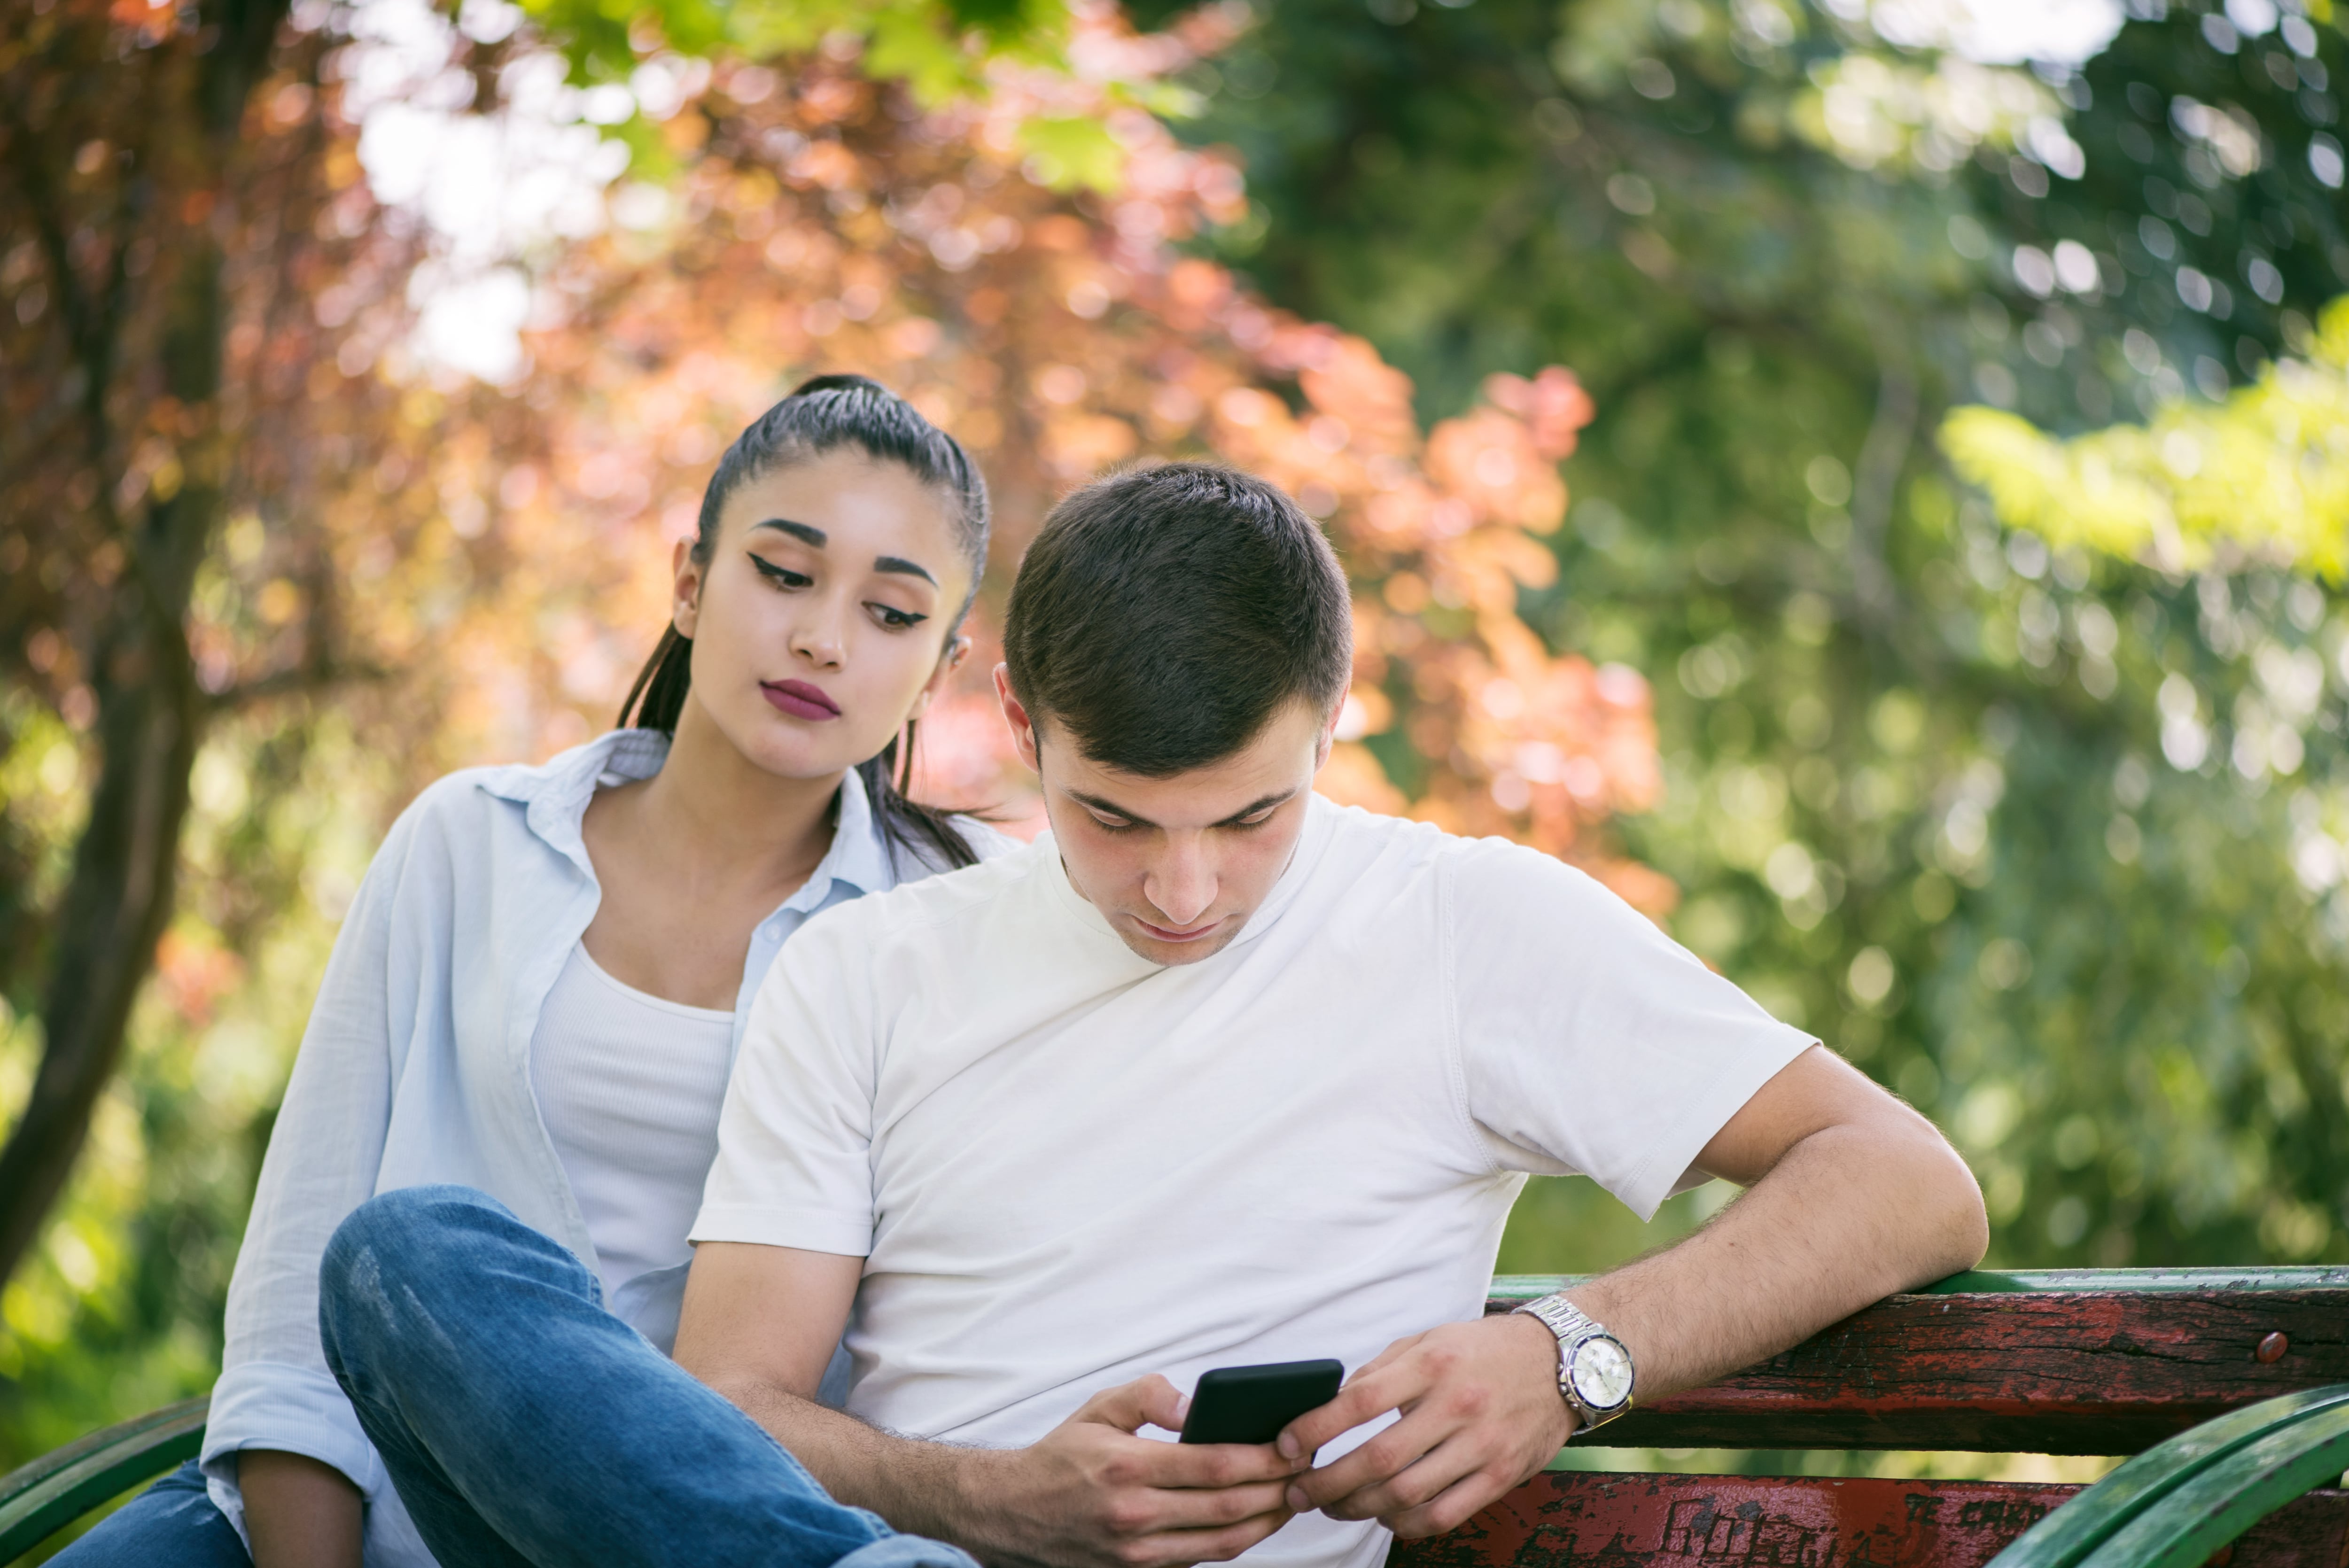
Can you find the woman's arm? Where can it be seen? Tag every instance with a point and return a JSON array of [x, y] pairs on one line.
[[299, 1512], [275, 1395]]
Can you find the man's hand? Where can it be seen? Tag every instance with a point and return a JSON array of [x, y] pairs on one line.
[[1852, 1196], [1481, 1412], [1091, 1494], [758, 1324]]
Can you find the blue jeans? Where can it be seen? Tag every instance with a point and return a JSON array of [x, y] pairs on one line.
[[172, 1524], [524, 1425]]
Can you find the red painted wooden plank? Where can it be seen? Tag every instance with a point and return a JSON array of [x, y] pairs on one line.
[[1582, 1520], [2070, 1373]]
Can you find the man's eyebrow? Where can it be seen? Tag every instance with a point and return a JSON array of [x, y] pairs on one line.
[[803, 532], [1111, 807], [898, 564], [1262, 803]]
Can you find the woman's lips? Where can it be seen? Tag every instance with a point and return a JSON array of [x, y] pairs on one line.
[[800, 699]]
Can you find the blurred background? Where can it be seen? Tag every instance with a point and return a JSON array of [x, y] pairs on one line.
[[1869, 480]]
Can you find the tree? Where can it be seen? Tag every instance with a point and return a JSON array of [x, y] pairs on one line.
[[122, 135], [1917, 791], [2262, 475], [202, 281], [493, 558], [820, 219]]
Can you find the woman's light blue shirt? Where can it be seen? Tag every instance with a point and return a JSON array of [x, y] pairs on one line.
[[415, 1068]]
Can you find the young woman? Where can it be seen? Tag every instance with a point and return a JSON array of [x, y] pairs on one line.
[[541, 986]]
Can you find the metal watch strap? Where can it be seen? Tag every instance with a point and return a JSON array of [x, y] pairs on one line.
[[1572, 1326]]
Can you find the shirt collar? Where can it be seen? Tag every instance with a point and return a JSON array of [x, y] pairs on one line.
[[858, 856], [554, 796]]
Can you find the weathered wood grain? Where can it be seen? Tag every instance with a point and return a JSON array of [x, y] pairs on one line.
[[2087, 1372], [1582, 1520]]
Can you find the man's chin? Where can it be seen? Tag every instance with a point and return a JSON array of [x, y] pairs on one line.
[[1139, 935]]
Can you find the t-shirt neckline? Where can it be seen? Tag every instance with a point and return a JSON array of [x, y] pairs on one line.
[[646, 998]]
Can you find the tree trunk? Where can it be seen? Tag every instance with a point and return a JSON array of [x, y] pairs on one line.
[[151, 711], [114, 911]]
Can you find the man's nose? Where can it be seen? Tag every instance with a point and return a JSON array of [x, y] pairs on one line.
[[1181, 884]]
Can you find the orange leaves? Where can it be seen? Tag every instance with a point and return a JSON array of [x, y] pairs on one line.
[[826, 165], [1490, 461], [193, 974], [1553, 405], [151, 20], [1440, 537], [1352, 777], [1084, 445], [1345, 379], [1059, 334]]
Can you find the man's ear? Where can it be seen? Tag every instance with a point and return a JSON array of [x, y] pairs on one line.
[[684, 595], [1328, 737], [1023, 732], [948, 661]]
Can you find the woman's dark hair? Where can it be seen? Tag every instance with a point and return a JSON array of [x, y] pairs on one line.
[[822, 416], [1164, 615]]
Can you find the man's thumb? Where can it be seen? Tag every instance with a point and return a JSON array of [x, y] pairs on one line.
[[1149, 1401]]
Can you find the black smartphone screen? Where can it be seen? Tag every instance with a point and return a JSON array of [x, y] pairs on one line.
[[1252, 1404]]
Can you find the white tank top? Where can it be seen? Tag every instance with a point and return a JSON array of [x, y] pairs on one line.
[[629, 1087]]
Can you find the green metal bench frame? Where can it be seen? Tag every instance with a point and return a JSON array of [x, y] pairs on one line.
[[2065, 1361], [2180, 1502], [55, 1489]]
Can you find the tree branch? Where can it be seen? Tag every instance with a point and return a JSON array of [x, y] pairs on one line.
[[296, 681], [1882, 455]]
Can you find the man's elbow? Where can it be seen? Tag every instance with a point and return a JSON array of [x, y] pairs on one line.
[[1955, 1225]]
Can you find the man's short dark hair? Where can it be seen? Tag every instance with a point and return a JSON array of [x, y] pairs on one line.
[[1164, 614]]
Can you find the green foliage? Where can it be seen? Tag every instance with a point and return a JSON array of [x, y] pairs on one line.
[[1073, 153], [2048, 842], [120, 1311], [941, 49], [938, 47], [2049, 838], [2265, 472]]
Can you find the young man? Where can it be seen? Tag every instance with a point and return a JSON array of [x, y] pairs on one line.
[[1217, 1074]]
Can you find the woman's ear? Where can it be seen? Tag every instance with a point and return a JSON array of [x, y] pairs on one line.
[[948, 661], [685, 596]]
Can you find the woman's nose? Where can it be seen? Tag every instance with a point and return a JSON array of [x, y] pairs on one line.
[[819, 645]]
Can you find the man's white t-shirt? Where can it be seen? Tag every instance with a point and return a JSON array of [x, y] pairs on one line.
[[1067, 1167]]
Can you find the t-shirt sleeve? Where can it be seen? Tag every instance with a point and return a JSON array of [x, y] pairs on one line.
[[793, 1165], [1591, 1042]]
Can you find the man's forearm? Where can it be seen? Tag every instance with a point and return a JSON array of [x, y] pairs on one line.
[[1847, 1216], [919, 1487]]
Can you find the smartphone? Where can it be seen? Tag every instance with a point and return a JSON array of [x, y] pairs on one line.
[[1252, 1404]]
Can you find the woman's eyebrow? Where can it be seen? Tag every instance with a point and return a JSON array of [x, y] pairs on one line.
[[898, 564], [799, 530]]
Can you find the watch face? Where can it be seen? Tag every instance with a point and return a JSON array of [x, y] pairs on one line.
[[1602, 1373]]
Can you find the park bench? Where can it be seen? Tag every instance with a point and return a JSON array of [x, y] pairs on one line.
[[2231, 1386]]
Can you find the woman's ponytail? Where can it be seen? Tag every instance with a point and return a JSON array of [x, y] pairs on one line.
[[930, 834], [661, 684]]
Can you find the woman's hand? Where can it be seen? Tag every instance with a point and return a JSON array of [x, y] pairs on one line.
[[298, 1511]]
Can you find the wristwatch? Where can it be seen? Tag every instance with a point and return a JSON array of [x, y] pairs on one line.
[[1594, 1369]]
